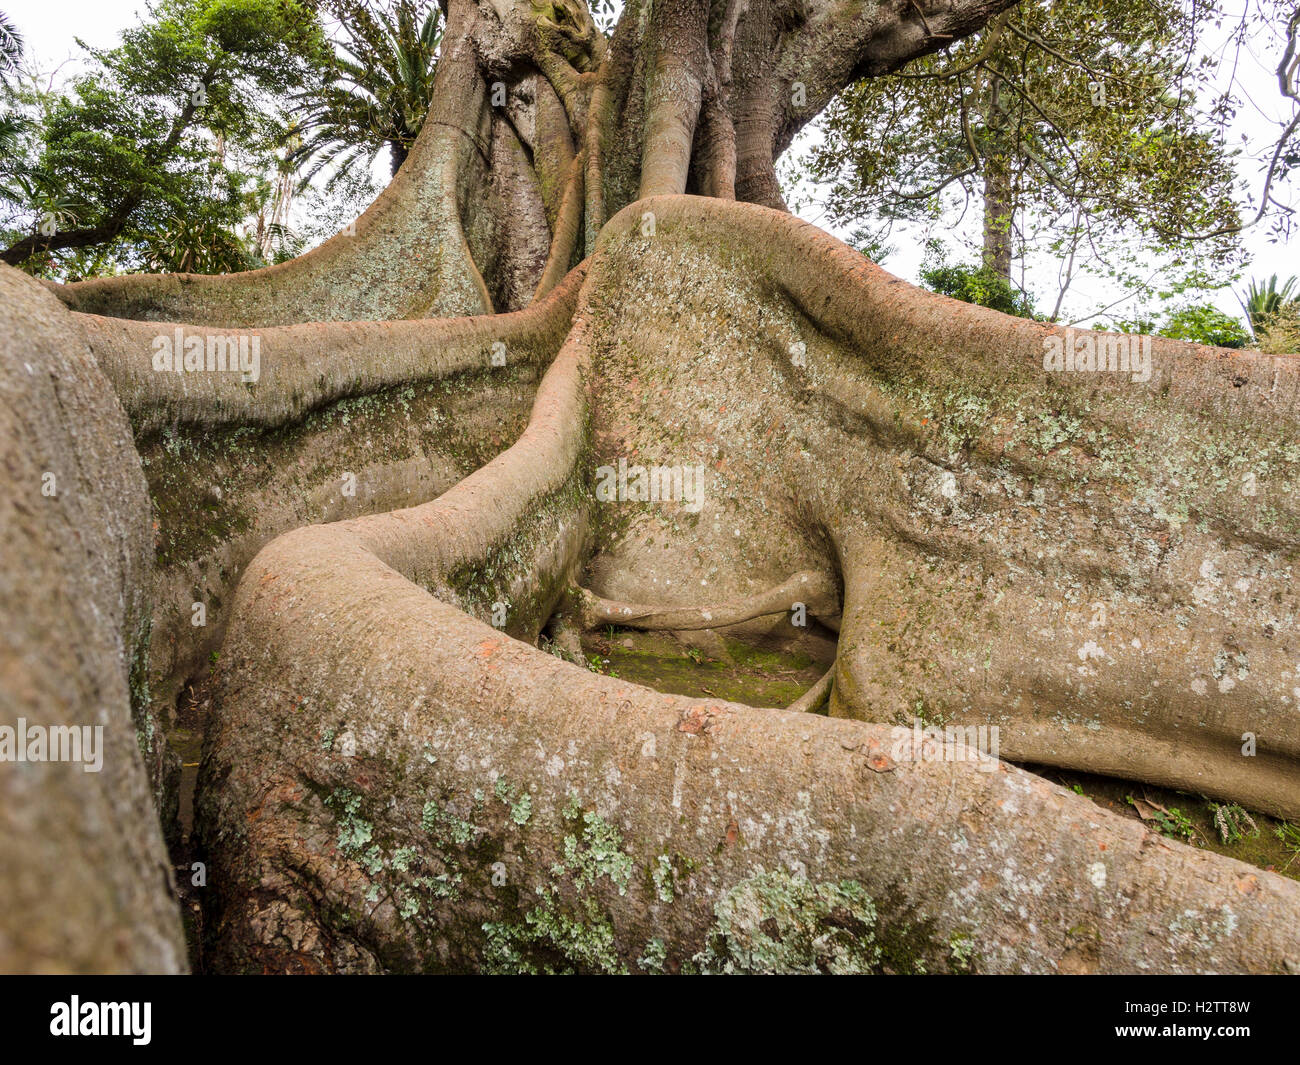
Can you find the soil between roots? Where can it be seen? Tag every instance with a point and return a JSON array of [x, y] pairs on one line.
[[775, 673]]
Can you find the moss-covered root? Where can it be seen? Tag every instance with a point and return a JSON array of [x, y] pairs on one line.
[[274, 376], [531, 815]]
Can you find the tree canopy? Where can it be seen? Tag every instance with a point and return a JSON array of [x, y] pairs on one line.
[[1086, 130], [150, 158]]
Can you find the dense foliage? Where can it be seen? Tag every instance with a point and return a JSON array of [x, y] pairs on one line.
[[1079, 129], [150, 158]]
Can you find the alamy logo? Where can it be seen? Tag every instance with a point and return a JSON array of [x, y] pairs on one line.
[[1095, 352], [211, 353], [653, 484], [102, 1018], [951, 743], [53, 743]]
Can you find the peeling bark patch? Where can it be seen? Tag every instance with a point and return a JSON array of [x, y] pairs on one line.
[[700, 719]]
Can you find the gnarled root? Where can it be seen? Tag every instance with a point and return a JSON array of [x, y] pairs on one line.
[[814, 591], [815, 696], [474, 802]]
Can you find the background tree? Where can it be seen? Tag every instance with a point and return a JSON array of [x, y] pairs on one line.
[[976, 284], [11, 48], [1198, 323], [1280, 335], [161, 138], [1075, 127], [1205, 324], [1264, 300], [374, 91]]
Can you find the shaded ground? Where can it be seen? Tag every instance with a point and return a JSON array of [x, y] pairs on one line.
[[186, 739], [772, 675]]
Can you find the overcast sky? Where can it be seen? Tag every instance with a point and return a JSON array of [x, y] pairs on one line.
[[50, 27]]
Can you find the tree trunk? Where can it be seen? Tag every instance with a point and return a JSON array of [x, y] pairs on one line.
[[998, 217], [396, 520], [999, 205]]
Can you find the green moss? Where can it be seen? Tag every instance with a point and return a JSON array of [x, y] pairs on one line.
[[354, 831], [480, 583], [141, 703], [654, 958], [666, 875], [553, 940], [191, 518], [754, 676], [665, 882], [201, 479], [565, 930], [961, 949], [521, 805], [596, 851], [773, 922], [445, 826], [413, 875]]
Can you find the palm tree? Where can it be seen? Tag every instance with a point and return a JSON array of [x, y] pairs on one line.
[[15, 184], [376, 92], [1264, 301], [11, 130], [11, 48]]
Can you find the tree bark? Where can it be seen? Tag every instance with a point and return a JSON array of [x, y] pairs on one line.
[[398, 776], [999, 205], [530, 764], [86, 879]]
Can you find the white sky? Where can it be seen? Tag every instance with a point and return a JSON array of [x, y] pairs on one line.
[[50, 26], [1262, 109]]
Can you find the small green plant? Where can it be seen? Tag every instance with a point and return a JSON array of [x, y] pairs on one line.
[[1289, 834], [962, 951], [1175, 825], [1170, 822], [600, 665], [552, 648], [1233, 822], [695, 655], [1205, 324], [976, 284]]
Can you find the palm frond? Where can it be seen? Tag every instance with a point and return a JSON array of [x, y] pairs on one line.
[[378, 89], [1263, 301], [11, 48]]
